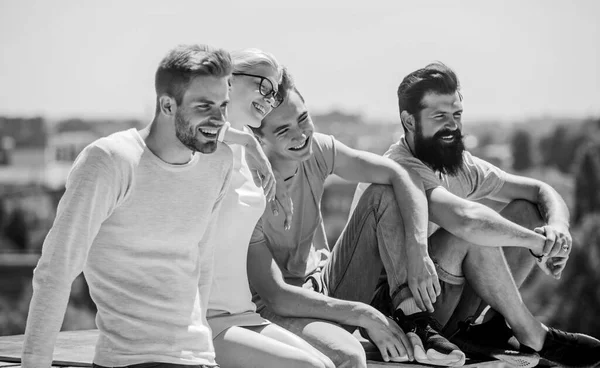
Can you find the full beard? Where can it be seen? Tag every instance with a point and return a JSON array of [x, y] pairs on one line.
[[446, 158], [186, 133]]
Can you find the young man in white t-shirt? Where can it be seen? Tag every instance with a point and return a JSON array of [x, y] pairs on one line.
[[138, 209]]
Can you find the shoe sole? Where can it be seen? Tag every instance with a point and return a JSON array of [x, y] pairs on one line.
[[517, 359]]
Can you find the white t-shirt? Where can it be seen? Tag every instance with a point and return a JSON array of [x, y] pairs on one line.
[[138, 228]]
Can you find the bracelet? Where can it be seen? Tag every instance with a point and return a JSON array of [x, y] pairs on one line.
[[223, 131], [539, 258]]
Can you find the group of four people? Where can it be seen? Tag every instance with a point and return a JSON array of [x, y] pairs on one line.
[[192, 259]]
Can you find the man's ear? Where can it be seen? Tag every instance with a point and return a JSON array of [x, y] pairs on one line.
[[167, 105], [408, 120]]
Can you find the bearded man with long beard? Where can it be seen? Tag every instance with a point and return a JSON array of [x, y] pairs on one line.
[[493, 247]]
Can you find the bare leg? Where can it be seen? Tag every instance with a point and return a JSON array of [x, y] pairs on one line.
[[281, 334], [488, 274], [328, 337], [519, 261], [266, 346]]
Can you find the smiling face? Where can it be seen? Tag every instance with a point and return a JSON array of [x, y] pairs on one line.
[[438, 139], [287, 131], [248, 106], [202, 113]]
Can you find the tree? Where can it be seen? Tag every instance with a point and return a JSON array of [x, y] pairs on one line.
[[17, 229], [560, 148], [587, 181], [577, 298], [521, 150]]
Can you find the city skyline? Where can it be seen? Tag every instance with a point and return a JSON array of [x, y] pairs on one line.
[[516, 60]]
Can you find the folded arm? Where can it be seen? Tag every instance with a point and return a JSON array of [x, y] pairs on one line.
[[260, 167], [478, 223], [555, 214], [361, 166]]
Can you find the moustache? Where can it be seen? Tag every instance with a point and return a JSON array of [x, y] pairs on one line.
[[457, 133]]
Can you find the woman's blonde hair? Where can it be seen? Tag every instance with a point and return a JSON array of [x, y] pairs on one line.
[[244, 61]]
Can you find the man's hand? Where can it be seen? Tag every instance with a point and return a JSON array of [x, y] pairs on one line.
[[558, 240], [260, 167], [284, 200], [423, 279], [389, 338], [557, 249], [553, 266]]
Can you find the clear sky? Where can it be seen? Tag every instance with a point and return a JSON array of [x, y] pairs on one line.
[[515, 58]]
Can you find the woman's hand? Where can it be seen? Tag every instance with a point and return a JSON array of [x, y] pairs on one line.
[[260, 167]]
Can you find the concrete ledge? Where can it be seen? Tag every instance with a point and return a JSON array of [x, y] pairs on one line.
[[76, 349]]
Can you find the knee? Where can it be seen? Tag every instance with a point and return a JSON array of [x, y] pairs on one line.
[[380, 192], [314, 362], [524, 213], [352, 356], [327, 363], [382, 199]]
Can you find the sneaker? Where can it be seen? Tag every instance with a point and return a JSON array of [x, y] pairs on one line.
[[566, 349], [429, 346], [494, 339]]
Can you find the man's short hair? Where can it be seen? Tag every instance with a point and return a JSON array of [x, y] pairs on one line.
[[435, 77], [286, 86], [184, 63]]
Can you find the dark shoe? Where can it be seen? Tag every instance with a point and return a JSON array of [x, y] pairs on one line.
[[436, 349], [494, 339], [566, 349]]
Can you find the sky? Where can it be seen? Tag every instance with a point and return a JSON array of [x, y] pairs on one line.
[[516, 59]]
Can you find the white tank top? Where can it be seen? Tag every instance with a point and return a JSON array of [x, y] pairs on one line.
[[242, 207]]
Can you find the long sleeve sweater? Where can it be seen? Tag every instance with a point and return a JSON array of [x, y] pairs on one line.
[[138, 229]]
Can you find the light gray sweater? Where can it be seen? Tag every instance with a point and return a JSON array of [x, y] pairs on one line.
[[138, 228]]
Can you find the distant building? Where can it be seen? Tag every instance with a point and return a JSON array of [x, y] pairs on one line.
[[31, 153]]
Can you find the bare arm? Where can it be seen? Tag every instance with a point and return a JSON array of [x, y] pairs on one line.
[[362, 166], [555, 213], [292, 301], [262, 172], [259, 165], [552, 207], [479, 224], [355, 165]]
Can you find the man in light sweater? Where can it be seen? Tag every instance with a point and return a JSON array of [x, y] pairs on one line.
[[136, 214]]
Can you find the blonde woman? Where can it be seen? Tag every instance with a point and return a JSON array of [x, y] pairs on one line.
[[241, 337]]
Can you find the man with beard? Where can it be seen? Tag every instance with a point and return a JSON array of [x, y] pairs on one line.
[[526, 217], [136, 214]]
